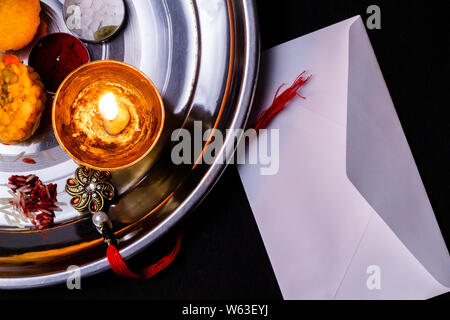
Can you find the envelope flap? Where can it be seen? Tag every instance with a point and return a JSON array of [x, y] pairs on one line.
[[380, 164]]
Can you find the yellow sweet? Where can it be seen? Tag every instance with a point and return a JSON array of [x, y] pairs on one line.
[[19, 21], [22, 100]]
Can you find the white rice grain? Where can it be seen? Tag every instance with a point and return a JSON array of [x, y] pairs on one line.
[[20, 155]]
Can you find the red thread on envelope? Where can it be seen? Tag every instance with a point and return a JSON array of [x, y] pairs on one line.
[[120, 268], [280, 100]]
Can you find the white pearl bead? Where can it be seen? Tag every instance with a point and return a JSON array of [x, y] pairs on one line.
[[99, 217]]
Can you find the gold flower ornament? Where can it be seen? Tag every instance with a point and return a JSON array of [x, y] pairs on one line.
[[90, 189]]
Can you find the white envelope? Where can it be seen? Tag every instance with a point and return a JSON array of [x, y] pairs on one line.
[[347, 204]]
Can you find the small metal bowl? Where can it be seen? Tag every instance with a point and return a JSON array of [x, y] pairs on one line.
[[94, 20], [46, 69], [83, 145]]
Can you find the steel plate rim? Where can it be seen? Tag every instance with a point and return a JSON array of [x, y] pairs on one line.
[[214, 172]]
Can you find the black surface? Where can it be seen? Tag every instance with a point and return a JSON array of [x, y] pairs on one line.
[[223, 256]]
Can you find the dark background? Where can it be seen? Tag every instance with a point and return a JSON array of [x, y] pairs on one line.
[[223, 256]]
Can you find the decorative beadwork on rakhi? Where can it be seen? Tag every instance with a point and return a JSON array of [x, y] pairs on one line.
[[90, 189]]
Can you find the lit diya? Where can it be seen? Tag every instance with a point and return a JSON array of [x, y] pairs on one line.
[[107, 115]]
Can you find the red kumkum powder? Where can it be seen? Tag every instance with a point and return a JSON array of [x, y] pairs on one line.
[[55, 56]]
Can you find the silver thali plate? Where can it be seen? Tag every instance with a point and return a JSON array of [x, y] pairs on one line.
[[203, 56]]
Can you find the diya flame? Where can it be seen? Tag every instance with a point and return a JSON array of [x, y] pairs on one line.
[[115, 117]]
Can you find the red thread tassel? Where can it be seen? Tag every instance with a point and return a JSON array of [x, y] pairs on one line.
[[280, 100], [120, 268]]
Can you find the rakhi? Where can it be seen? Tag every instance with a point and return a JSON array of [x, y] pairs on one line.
[[91, 191]]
